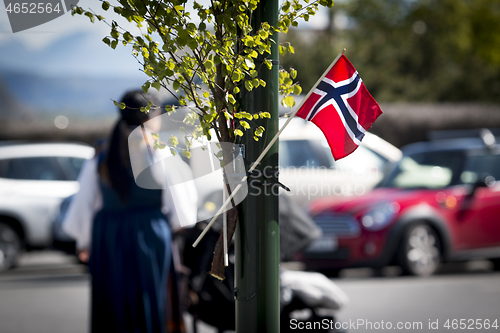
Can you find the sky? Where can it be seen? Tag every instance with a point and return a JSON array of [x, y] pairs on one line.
[[66, 45], [73, 45], [63, 69]]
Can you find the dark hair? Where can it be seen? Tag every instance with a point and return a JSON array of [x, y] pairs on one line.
[[117, 167]]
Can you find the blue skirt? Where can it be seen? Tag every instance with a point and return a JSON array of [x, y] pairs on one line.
[[129, 263]]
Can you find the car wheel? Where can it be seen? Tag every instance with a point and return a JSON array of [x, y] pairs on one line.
[[420, 251], [10, 246]]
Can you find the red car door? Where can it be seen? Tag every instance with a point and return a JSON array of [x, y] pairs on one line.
[[478, 216]]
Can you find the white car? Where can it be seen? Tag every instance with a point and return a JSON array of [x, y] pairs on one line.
[[307, 166], [34, 179]]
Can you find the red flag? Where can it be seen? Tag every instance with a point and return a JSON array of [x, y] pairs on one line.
[[341, 106]]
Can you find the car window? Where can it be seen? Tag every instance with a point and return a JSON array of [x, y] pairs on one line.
[[477, 165], [427, 170], [71, 166], [31, 168], [302, 153], [4, 166]]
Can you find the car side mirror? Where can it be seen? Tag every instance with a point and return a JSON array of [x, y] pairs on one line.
[[486, 180]]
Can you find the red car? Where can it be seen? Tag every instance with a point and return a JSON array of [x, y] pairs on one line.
[[439, 203]]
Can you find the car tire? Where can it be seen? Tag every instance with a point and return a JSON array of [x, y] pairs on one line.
[[10, 246], [496, 264], [420, 251], [330, 272]]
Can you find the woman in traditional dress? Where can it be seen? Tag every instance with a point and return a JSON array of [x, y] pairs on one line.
[[128, 228]]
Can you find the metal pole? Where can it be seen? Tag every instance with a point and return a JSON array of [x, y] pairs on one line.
[[257, 232]]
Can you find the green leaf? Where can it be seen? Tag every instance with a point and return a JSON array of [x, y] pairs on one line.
[[249, 62], [243, 114], [156, 85], [209, 64], [248, 41], [286, 7], [173, 152], [192, 43], [231, 99], [208, 117], [244, 124], [159, 145], [105, 5], [288, 101], [236, 90], [297, 90], [172, 141], [293, 73], [265, 115], [122, 106], [238, 132], [176, 85], [236, 77], [146, 86], [326, 3], [248, 85], [259, 130], [90, 16], [186, 153]]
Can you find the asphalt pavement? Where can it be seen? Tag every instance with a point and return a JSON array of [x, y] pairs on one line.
[[49, 293], [464, 297]]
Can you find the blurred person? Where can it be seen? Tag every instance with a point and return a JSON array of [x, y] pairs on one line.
[[128, 230]]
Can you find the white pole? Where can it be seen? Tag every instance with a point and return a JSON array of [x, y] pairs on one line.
[[224, 226], [264, 152]]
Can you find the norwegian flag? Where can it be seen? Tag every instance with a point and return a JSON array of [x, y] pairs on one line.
[[341, 106]]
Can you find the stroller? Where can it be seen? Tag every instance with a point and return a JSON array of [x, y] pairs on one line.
[[304, 296]]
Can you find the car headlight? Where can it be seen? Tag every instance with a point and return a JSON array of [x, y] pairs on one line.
[[380, 216]]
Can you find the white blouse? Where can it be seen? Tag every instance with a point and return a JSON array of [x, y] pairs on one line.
[[179, 203]]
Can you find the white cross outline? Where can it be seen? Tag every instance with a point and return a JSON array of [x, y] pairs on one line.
[[336, 106]]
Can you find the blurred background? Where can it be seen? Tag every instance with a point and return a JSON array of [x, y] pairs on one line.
[[432, 65]]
